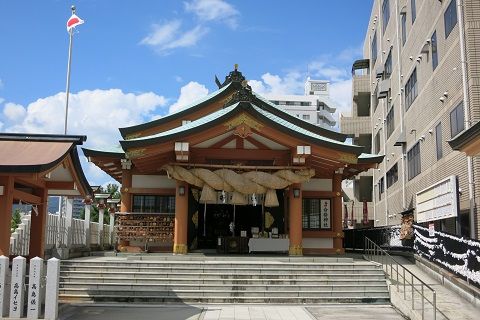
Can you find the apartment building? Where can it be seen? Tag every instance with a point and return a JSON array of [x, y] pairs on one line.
[[417, 88], [314, 106]]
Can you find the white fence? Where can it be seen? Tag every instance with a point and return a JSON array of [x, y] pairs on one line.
[[57, 235]]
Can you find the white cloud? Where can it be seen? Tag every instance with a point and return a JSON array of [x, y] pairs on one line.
[[188, 38], [14, 111], [169, 36], [322, 70], [189, 93], [291, 83], [178, 79], [214, 10], [1, 125], [341, 93], [1, 83], [1, 100], [162, 34], [95, 113]]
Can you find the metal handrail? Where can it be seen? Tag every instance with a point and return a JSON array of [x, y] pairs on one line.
[[372, 250]]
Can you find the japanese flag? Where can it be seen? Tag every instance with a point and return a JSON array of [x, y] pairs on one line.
[[73, 22]]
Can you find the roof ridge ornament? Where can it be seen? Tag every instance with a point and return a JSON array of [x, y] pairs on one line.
[[244, 94], [233, 76]]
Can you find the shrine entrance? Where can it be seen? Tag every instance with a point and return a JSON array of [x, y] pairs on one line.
[[219, 220]]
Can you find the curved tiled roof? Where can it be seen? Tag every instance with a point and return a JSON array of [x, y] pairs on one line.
[[35, 153], [230, 111], [176, 115]]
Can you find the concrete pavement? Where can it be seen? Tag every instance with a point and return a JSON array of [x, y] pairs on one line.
[[450, 304], [229, 312]]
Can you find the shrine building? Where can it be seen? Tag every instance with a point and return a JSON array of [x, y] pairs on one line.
[[33, 167], [231, 172]]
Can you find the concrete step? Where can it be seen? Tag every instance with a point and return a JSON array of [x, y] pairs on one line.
[[223, 300], [223, 281], [218, 275], [226, 293], [220, 263], [249, 257], [171, 270], [380, 280], [218, 287]]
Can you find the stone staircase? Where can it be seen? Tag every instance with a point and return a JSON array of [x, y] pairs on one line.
[[241, 279]]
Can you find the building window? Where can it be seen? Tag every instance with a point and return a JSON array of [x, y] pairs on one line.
[[404, 28], [414, 10], [434, 50], [377, 141], [450, 17], [316, 214], [153, 204], [411, 89], [390, 122], [457, 120], [290, 103], [381, 188], [392, 175], [306, 117], [373, 53], [388, 66], [438, 140], [413, 160], [303, 103], [385, 14]]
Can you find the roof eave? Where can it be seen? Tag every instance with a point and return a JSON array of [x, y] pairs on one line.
[[126, 131], [247, 107], [76, 139], [99, 153]]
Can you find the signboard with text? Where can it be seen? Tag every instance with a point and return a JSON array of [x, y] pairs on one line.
[[439, 201]]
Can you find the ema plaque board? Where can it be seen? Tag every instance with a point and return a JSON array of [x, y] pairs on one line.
[[439, 201]]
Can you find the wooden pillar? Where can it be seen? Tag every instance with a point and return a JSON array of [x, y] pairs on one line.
[[6, 203], [337, 214], [181, 219], [38, 224], [126, 199], [295, 220]]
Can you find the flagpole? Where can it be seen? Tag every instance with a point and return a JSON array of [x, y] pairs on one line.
[[68, 72]]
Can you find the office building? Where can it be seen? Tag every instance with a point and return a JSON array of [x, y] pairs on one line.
[[417, 88]]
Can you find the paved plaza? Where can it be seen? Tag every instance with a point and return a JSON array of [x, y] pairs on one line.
[[229, 312]]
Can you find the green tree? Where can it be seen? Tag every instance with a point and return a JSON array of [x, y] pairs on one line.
[[16, 220]]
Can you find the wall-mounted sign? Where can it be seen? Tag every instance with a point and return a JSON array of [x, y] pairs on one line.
[[439, 201], [325, 218]]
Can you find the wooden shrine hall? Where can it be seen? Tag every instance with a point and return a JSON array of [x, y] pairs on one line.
[[33, 167], [232, 165]]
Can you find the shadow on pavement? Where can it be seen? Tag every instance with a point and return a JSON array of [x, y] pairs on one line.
[[129, 312]]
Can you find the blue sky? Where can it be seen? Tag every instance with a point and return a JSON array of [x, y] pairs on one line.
[[134, 61]]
